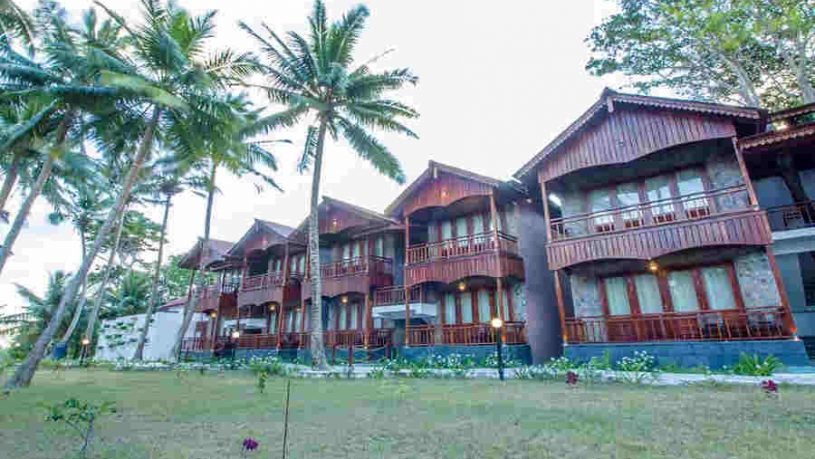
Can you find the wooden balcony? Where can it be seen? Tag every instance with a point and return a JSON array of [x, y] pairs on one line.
[[453, 259], [651, 229], [260, 289], [749, 324], [353, 275], [214, 296], [464, 334], [792, 217], [378, 337], [389, 296]]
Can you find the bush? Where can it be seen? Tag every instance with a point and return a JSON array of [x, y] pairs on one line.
[[80, 416], [753, 365]]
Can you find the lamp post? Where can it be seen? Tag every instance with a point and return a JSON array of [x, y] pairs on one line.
[[85, 342], [235, 335], [497, 323]]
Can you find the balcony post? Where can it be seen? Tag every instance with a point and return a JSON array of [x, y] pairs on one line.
[[499, 279], [560, 308], [407, 291], [789, 323], [367, 320], [751, 193], [546, 211]]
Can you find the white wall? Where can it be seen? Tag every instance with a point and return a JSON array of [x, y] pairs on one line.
[[118, 337]]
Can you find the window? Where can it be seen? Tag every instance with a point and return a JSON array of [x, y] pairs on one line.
[[379, 246], [461, 231], [432, 232], [450, 308], [617, 296], [599, 201], [466, 307], [478, 224], [354, 316], [446, 230], [659, 189], [273, 322], [484, 305], [343, 318], [346, 251], [683, 291], [356, 249], [648, 296], [629, 197], [718, 289], [690, 183]]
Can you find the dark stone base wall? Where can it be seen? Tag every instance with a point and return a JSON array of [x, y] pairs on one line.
[[519, 353], [689, 354]]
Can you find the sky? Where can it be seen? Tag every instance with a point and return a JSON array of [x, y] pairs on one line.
[[497, 81]]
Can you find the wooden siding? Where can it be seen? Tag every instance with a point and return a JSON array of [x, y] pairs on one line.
[[748, 228], [336, 220], [444, 190], [453, 269], [358, 275], [628, 134]]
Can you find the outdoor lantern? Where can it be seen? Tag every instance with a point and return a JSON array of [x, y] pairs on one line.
[[653, 266], [344, 299], [85, 341], [462, 286], [272, 307], [783, 126], [236, 334], [496, 324], [213, 314]]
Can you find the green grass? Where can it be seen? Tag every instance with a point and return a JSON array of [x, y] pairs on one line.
[[163, 415]]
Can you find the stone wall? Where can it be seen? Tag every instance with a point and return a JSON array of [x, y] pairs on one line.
[[723, 170], [758, 286]]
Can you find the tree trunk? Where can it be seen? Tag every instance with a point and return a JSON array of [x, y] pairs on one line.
[[318, 359], [83, 295], [22, 377], [791, 178], [36, 189], [100, 294], [9, 181], [139, 354], [192, 301]]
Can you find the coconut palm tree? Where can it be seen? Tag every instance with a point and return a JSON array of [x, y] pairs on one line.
[[231, 145], [316, 77], [171, 76], [14, 21]]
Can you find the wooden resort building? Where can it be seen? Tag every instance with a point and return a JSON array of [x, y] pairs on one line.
[[681, 228]]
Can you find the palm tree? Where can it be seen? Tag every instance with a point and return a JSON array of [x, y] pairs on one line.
[[15, 22], [317, 77], [171, 76], [229, 145]]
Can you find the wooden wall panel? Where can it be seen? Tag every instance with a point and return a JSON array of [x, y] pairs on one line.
[[748, 228], [627, 134], [335, 220], [444, 190], [453, 269]]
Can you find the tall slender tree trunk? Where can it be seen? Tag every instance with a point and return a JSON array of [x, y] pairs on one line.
[[22, 377], [34, 193], [83, 298], [100, 294], [9, 181], [192, 301], [318, 359], [139, 354]]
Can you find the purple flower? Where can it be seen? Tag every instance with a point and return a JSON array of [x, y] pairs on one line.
[[769, 386], [571, 378], [249, 444]]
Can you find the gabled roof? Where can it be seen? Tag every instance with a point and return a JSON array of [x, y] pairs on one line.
[[216, 251], [433, 168], [367, 214], [261, 227], [605, 104]]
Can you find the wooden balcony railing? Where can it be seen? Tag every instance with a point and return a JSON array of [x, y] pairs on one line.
[[758, 323], [357, 266], [260, 341], [465, 334], [377, 337], [195, 345], [652, 213], [262, 281], [396, 295], [793, 216], [462, 247]]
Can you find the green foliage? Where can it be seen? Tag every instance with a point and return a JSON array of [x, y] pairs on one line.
[[268, 366], [753, 365], [80, 416]]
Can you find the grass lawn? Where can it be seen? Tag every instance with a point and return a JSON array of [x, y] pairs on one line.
[[163, 415]]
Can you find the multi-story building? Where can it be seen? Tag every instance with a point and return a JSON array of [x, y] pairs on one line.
[[656, 237]]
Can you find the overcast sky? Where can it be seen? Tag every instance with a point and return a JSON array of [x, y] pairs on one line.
[[498, 80]]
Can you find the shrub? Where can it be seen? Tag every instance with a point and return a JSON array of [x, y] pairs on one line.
[[753, 365], [80, 416], [635, 369]]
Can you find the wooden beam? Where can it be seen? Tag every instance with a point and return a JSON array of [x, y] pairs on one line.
[[546, 211], [407, 287], [789, 323], [560, 307], [751, 192]]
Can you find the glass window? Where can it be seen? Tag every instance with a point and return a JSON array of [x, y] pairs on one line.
[[450, 308], [690, 183], [446, 230], [617, 296], [478, 224], [298, 317], [629, 197], [343, 318], [718, 289], [683, 291], [354, 315], [357, 248], [302, 264], [600, 201], [379, 247], [273, 322], [346, 251], [648, 295], [466, 307], [484, 305], [658, 189], [432, 232]]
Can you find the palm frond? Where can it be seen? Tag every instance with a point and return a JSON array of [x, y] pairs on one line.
[[371, 149]]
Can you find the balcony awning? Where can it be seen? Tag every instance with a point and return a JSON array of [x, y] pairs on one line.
[[397, 311]]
